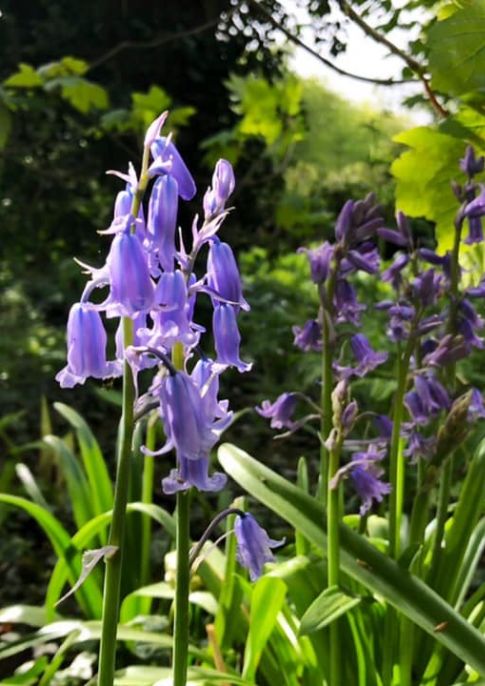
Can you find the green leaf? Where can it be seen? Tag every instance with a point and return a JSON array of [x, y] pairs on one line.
[[457, 50], [90, 598], [469, 508], [266, 602], [329, 605], [30, 484], [77, 485], [164, 590], [82, 94], [26, 77], [81, 540], [359, 559], [423, 176], [88, 631], [74, 65], [137, 675], [101, 489]]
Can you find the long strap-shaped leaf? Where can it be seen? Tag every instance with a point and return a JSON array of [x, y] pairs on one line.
[[359, 559]]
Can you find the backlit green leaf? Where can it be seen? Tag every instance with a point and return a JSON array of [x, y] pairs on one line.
[[457, 50]]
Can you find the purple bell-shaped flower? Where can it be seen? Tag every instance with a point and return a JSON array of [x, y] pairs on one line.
[[162, 219], [86, 348]]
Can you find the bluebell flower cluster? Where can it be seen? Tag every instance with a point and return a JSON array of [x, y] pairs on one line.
[[431, 319], [150, 279]]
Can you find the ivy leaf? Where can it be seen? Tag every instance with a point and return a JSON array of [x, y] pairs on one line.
[[26, 77], [457, 50], [423, 175]]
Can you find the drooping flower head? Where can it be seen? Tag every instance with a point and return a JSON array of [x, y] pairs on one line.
[[253, 545], [86, 348]]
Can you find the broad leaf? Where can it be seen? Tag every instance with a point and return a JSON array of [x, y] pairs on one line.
[[423, 178], [457, 50]]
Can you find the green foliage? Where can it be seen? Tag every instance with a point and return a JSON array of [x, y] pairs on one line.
[[145, 107], [330, 604], [457, 50], [267, 599], [374, 571], [423, 176], [65, 76]]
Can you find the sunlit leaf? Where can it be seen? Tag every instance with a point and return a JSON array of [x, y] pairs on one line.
[[25, 77], [457, 50]]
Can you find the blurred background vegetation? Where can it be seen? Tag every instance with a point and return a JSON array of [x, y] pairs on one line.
[[78, 88]]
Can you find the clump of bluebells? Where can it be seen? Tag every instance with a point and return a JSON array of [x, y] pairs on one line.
[[152, 289], [431, 323], [151, 279]]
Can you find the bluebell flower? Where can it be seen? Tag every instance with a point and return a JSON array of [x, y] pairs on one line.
[[320, 260], [190, 428], [280, 412], [476, 291], [223, 181], [346, 305], [383, 426], [253, 545], [365, 473], [402, 237], [427, 399], [363, 258], [471, 164], [223, 274], [164, 151], [419, 446], [86, 348], [172, 320], [227, 338], [343, 224], [393, 273], [368, 484], [427, 287], [367, 358], [193, 473], [476, 409], [162, 219], [131, 288], [308, 337], [475, 231], [450, 349], [476, 208], [469, 322]]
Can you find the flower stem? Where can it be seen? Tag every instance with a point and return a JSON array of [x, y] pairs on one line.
[[329, 464], [181, 626], [333, 560], [147, 497], [396, 478], [182, 583], [396, 458], [112, 579]]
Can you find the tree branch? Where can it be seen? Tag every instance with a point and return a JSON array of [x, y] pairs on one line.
[[158, 40], [413, 64], [297, 41]]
